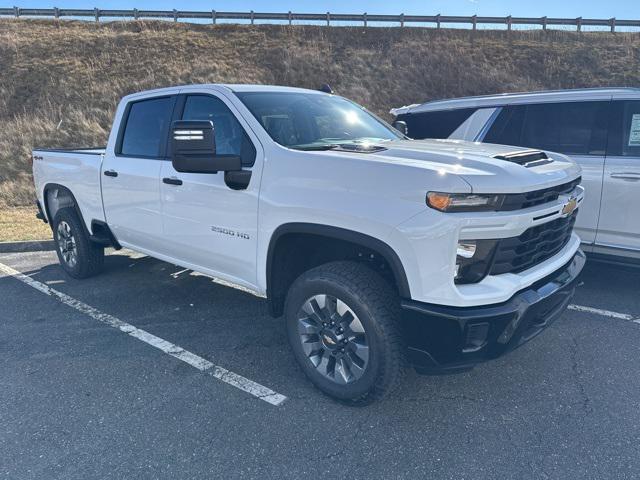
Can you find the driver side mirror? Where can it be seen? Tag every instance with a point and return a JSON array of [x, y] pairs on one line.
[[401, 126], [193, 149]]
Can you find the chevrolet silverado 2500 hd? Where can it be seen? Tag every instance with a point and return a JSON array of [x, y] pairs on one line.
[[378, 250]]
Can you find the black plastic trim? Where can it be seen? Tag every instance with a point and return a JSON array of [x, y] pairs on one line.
[[172, 181], [108, 239], [40, 215], [111, 237], [436, 334], [340, 234], [50, 186]]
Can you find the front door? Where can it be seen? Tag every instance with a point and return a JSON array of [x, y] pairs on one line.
[[131, 174], [619, 225], [207, 225]]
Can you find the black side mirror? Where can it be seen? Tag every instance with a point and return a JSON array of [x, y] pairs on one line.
[[193, 149], [401, 126]]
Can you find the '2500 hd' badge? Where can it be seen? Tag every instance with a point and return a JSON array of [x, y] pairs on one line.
[[231, 233]]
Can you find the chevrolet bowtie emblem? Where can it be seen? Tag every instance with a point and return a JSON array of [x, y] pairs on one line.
[[329, 340], [570, 206]]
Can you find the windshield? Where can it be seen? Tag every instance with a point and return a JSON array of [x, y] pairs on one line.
[[311, 121]]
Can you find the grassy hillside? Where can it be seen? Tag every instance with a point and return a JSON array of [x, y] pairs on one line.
[[60, 82]]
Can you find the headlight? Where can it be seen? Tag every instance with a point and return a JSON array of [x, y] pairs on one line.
[[473, 260], [463, 202]]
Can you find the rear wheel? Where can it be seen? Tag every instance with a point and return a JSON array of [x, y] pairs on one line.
[[342, 325], [78, 255]]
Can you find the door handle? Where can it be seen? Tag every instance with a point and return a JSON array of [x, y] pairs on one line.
[[626, 175], [172, 181], [111, 173]]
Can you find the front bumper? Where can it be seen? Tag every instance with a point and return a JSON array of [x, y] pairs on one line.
[[443, 338]]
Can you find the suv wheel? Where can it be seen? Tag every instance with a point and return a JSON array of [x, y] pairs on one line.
[[342, 325], [78, 255]]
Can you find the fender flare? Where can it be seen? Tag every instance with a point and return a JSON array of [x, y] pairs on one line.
[[338, 233], [52, 186], [108, 239]]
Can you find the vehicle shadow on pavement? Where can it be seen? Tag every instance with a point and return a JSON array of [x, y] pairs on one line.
[[234, 328], [561, 396]]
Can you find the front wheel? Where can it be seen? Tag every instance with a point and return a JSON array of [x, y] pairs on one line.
[[342, 326], [78, 255]]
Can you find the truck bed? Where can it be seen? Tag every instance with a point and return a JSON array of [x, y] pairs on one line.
[[76, 169]]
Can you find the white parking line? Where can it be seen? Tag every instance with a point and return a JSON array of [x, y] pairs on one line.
[[238, 381], [604, 313]]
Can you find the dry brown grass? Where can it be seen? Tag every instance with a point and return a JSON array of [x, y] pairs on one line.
[[60, 81], [20, 223]]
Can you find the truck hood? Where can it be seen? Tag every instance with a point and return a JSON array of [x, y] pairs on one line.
[[475, 163]]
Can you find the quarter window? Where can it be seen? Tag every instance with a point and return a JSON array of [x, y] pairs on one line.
[[435, 124], [146, 127], [574, 128], [231, 139]]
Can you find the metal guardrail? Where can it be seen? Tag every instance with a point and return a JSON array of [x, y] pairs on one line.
[[290, 17]]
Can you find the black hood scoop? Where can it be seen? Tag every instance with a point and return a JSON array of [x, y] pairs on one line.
[[526, 158]]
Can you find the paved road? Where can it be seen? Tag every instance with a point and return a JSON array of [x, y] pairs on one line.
[[82, 400]]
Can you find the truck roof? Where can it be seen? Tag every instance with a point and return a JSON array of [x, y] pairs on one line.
[[234, 87], [522, 97], [240, 87]]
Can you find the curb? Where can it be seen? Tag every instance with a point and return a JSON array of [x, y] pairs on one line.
[[28, 246]]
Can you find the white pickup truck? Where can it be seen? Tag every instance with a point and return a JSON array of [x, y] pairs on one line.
[[378, 250]]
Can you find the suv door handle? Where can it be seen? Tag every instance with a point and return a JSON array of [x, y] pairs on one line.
[[111, 173], [626, 175], [172, 181]]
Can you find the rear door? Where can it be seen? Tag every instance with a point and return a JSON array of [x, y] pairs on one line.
[[619, 225], [577, 129], [207, 225], [131, 173]]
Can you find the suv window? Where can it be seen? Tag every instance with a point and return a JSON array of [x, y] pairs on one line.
[[231, 139], [574, 128], [435, 124], [146, 128], [507, 127], [624, 133]]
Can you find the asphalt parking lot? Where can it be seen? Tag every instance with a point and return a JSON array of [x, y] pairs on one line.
[[83, 396]]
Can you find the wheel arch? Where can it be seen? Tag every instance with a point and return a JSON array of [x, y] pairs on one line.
[[344, 241], [55, 197], [98, 232]]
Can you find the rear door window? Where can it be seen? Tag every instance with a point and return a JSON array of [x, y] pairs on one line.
[[573, 128], [435, 124], [624, 136], [146, 127]]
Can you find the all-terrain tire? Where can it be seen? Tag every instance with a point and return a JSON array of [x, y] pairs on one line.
[[78, 255], [366, 296]]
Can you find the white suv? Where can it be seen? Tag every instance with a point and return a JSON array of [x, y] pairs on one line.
[[599, 128]]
